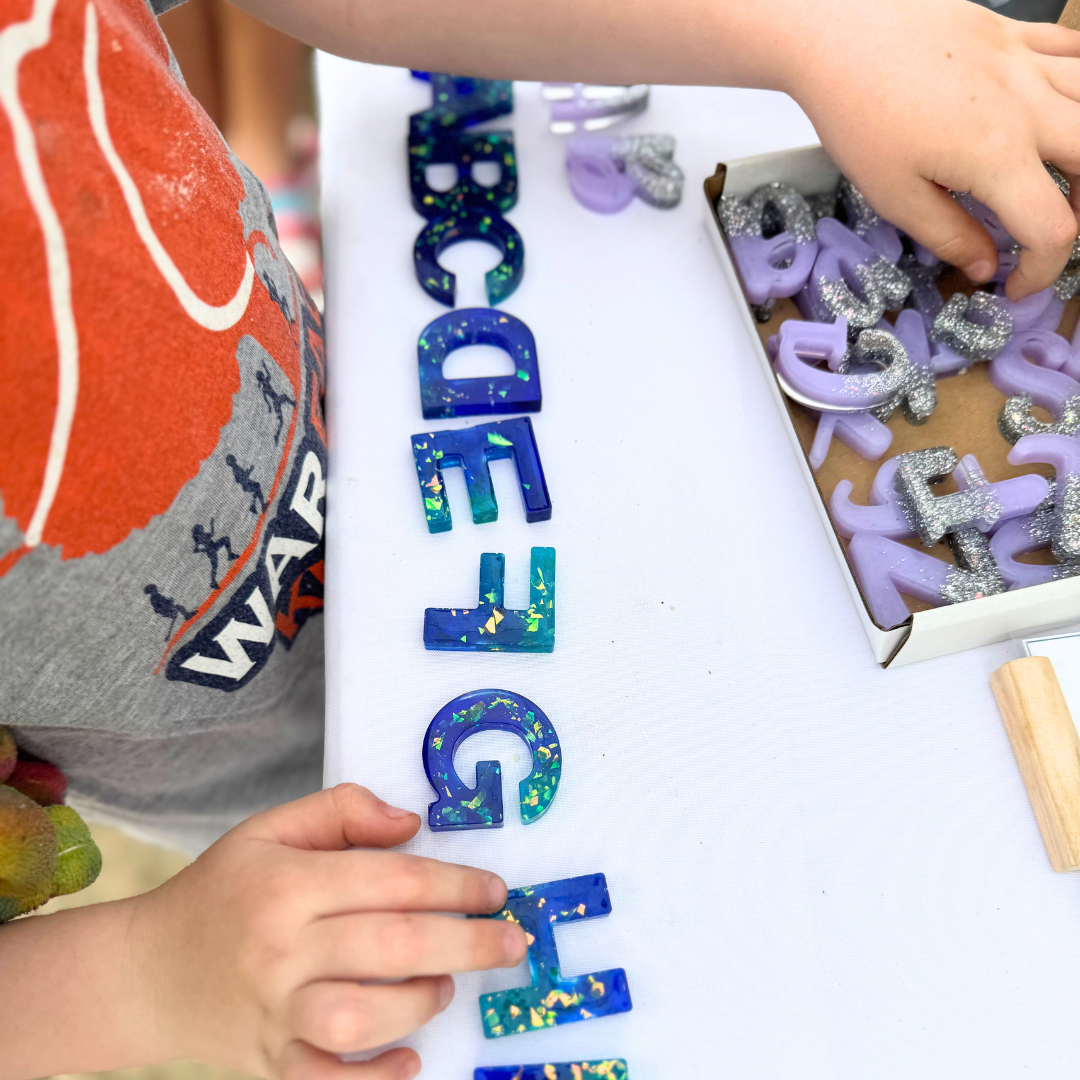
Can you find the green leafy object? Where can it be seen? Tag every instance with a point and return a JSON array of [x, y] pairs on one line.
[[78, 858], [27, 852]]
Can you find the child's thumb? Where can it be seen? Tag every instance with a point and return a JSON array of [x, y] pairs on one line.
[[336, 818]]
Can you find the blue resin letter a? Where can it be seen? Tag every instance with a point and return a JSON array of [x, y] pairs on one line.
[[460, 102], [551, 999], [442, 398], [472, 449], [490, 627]]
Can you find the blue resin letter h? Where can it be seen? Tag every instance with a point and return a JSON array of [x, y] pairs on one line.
[[551, 999], [489, 626], [472, 449]]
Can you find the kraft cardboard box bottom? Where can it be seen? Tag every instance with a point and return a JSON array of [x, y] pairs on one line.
[[965, 419]]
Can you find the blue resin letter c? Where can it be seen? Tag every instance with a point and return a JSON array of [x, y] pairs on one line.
[[466, 223], [461, 807]]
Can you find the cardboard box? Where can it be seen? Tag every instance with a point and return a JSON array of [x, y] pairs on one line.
[[965, 419]]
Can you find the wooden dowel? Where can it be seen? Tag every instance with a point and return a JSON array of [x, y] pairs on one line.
[[1070, 17], [1047, 748]]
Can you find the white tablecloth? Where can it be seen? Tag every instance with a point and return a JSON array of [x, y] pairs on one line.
[[817, 868]]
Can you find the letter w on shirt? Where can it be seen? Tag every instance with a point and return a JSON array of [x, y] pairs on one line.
[[235, 632]]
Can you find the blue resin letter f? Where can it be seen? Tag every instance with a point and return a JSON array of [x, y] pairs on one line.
[[551, 999], [490, 627]]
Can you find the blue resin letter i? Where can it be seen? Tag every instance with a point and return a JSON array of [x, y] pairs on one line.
[[612, 1069]]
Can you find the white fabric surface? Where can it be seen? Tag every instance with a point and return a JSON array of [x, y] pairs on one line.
[[817, 868]]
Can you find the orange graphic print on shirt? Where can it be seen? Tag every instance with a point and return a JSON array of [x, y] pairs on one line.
[[126, 275], [130, 250]]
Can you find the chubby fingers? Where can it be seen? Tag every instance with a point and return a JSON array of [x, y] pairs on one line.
[[301, 1061], [393, 945], [344, 816], [927, 212], [345, 1017], [1034, 211], [391, 881], [1050, 40]]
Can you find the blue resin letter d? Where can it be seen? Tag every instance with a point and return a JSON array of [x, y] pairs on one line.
[[441, 398], [551, 999]]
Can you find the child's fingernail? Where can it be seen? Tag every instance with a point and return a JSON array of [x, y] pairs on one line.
[[496, 892], [446, 991], [516, 944], [980, 270], [395, 812]]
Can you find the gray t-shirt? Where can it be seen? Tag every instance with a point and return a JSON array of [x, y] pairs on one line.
[[1028, 10], [162, 452]]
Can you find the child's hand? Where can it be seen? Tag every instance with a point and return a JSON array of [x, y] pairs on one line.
[[269, 953], [911, 97], [914, 97]]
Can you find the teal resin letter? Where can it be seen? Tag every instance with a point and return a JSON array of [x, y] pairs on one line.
[[550, 999], [472, 449], [490, 627]]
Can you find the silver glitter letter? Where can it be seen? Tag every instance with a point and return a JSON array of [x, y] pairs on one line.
[[1017, 419], [934, 516], [977, 326]]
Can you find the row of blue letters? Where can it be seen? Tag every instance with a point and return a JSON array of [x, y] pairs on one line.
[[440, 135]]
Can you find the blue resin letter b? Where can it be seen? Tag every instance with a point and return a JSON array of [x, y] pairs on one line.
[[551, 999]]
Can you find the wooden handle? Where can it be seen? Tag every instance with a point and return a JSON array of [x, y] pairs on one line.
[[1047, 748], [1070, 17]]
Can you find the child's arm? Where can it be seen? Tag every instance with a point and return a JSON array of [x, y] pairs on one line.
[[259, 955], [911, 97]]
